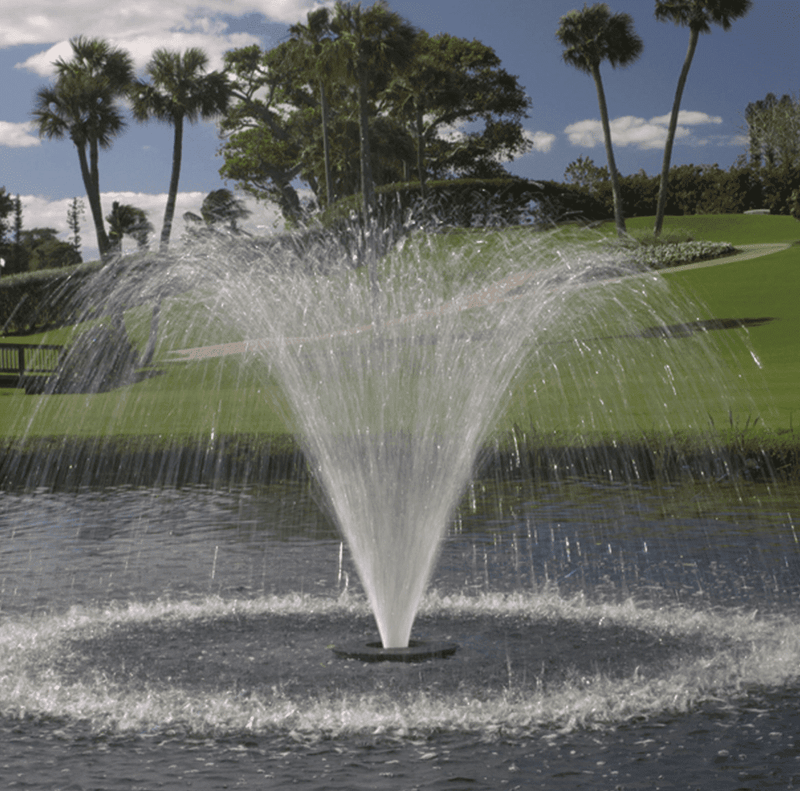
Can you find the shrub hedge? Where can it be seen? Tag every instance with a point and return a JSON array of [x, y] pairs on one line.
[[42, 298]]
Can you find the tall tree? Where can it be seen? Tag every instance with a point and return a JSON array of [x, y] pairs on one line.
[[7, 206], [590, 37], [17, 220], [773, 127], [75, 211], [372, 43], [180, 91], [44, 250], [263, 149], [585, 174], [82, 105], [698, 16], [127, 220], [222, 206], [320, 60], [452, 81]]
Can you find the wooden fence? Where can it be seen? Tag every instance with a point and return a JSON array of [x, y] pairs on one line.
[[21, 363]]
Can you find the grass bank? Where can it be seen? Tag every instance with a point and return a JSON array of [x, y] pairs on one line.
[[219, 418]]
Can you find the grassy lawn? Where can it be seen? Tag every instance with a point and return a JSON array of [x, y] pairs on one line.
[[560, 393], [734, 228]]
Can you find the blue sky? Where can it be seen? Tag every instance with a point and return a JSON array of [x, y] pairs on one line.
[[756, 56]]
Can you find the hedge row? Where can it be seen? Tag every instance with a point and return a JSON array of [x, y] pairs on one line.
[[40, 299], [456, 202]]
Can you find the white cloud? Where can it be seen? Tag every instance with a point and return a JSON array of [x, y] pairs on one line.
[[138, 27], [451, 133], [688, 118], [141, 48], [736, 140], [540, 141], [644, 134], [18, 135], [48, 21]]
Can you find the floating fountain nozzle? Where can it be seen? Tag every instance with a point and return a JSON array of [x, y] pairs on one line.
[[416, 651]]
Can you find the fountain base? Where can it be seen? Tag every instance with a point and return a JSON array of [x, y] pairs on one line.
[[416, 651]]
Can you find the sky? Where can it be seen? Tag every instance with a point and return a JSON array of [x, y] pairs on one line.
[[756, 56]]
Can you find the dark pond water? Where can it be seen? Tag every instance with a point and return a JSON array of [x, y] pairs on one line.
[[610, 636]]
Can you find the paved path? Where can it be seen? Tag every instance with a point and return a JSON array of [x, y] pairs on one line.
[[491, 293]]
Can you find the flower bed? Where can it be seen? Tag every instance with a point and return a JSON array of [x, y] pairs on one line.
[[663, 256]]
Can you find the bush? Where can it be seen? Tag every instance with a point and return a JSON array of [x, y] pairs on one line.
[[452, 202], [41, 299]]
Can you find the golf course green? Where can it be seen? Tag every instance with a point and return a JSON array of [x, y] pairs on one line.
[[749, 309]]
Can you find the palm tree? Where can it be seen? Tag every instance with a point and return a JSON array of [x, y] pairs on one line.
[[697, 15], [320, 62], [82, 105], [373, 43], [589, 37], [127, 220], [222, 206], [180, 91]]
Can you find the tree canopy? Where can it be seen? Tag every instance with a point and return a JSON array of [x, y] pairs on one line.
[[83, 104], [275, 128], [180, 91]]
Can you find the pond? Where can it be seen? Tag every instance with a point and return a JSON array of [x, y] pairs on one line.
[[609, 636]]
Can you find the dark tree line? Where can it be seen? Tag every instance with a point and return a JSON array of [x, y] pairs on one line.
[[694, 189]]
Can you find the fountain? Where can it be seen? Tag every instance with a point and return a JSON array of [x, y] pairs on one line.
[[172, 609], [395, 384]]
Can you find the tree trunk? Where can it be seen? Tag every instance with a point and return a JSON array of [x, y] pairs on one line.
[[367, 186], [619, 217], [326, 146], [673, 125], [93, 196], [420, 145], [169, 211]]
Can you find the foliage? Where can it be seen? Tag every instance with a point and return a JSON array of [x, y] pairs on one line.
[[180, 91], [794, 204], [464, 203], [452, 81], [649, 253], [6, 208], [774, 150], [373, 44], [274, 130], [44, 250], [265, 123], [83, 105], [773, 128], [38, 299], [220, 208], [319, 60], [127, 220], [589, 38], [585, 174], [15, 257], [75, 211], [694, 189]]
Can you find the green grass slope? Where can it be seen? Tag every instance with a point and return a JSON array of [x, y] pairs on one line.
[[217, 397]]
